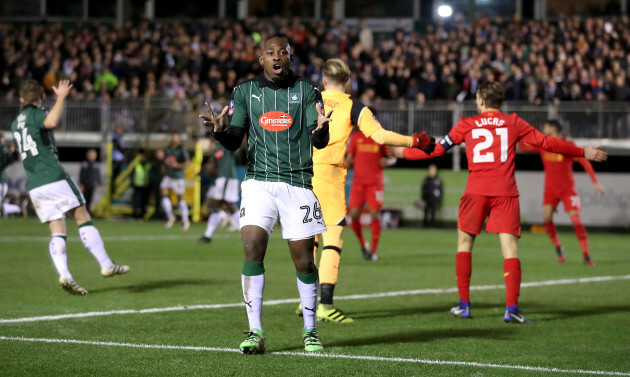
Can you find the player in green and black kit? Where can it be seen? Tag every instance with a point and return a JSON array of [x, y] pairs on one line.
[[51, 189], [223, 194], [177, 160], [282, 115]]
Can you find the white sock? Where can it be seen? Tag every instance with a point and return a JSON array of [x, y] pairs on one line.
[[235, 218], [8, 208], [167, 207], [253, 287], [183, 211], [94, 243], [213, 223], [308, 297], [58, 254]]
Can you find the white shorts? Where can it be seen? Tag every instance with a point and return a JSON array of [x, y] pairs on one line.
[[224, 189], [53, 200], [298, 209], [4, 188], [178, 185]]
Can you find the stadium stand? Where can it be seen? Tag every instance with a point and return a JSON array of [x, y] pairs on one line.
[[573, 59]]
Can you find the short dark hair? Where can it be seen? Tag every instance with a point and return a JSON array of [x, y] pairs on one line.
[[30, 91], [492, 92], [282, 39], [555, 124]]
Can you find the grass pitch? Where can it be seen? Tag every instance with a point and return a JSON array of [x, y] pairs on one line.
[[578, 327]]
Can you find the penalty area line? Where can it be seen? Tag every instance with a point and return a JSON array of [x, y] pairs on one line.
[[414, 292], [322, 355]]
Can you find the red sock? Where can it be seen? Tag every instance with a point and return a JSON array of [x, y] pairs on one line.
[[580, 232], [356, 228], [553, 233], [463, 269], [512, 274], [376, 234]]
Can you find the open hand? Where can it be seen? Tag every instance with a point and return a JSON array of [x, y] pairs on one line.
[[593, 153], [214, 120], [322, 120], [63, 88]]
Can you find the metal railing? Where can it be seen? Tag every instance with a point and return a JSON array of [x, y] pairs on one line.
[[588, 120]]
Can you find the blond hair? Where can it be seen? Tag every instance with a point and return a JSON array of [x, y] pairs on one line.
[[336, 70], [30, 91]]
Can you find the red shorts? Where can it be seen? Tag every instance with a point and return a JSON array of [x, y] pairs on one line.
[[503, 213], [570, 199], [371, 194]]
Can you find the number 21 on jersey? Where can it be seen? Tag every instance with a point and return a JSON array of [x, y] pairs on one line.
[[24, 141], [479, 152]]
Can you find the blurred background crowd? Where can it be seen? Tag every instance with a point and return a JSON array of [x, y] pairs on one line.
[[571, 59]]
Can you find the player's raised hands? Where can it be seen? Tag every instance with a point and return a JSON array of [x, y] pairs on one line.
[[63, 88], [217, 121], [593, 153], [322, 120]]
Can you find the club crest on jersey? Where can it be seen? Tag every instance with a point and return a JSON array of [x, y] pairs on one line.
[[275, 121], [321, 106], [294, 98], [231, 110]]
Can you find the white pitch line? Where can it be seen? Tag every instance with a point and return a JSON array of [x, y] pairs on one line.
[[323, 355], [162, 237], [296, 300]]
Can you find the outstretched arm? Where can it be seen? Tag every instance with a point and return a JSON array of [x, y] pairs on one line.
[[532, 136], [54, 115], [362, 117]]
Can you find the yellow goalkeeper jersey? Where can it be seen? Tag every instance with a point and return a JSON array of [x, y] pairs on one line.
[[348, 112]]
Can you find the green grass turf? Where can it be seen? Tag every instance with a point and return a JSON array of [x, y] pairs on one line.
[[577, 326]]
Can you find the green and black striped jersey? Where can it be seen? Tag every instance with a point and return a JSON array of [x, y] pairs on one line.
[[37, 148], [276, 118]]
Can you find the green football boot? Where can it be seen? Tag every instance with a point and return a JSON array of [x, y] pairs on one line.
[[312, 342], [255, 343], [332, 314]]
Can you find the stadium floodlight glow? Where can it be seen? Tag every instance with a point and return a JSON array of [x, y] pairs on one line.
[[445, 11]]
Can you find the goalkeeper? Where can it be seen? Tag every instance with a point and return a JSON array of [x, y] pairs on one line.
[[329, 178]]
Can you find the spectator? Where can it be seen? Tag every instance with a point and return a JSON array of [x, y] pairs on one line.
[[431, 194], [89, 177], [156, 173], [586, 59]]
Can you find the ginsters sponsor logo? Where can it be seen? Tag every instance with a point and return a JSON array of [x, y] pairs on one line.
[[275, 121]]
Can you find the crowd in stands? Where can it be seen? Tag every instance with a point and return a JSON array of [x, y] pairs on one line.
[[573, 59]]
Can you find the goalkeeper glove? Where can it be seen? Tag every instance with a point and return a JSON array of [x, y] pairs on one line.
[[424, 142]]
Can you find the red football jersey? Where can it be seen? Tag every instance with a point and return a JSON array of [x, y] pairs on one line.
[[367, 159], [491, 139], [559, 168]]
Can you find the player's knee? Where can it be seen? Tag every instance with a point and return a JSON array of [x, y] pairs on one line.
[[254, 248], [547, 213], [80, 214], [354, 214], [334, 237], [304, 264]]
